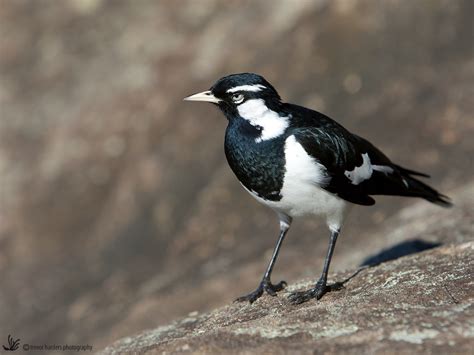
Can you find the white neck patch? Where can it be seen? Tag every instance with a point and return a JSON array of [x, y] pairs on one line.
[[253, 88], [258, 114]]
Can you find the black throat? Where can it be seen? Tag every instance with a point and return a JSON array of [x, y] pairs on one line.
[[260, 167]]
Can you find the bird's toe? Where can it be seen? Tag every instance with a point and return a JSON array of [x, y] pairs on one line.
[[265, 286], [251, 297], [272, 289], [303, 296]]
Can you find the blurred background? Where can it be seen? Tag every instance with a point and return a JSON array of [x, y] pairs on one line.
[[118, 211]]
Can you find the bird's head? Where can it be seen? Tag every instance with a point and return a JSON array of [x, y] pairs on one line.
[[236, 93]]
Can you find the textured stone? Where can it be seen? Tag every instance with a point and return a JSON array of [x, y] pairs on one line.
[[418, 303]]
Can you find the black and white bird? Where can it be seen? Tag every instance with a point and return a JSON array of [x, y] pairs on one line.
[[299, 162]]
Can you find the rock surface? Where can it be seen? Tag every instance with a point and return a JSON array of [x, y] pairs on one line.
[[423, 302], [419, 297]]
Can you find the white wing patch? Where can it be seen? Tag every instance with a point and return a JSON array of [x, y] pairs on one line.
[[258, 114], [383, 169], [253, 88], [300, 166], [364, 172]]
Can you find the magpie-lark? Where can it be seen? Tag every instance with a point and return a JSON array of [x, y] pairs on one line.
[[298, 162]]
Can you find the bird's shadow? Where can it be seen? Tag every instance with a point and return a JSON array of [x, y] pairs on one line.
[[397, 251]]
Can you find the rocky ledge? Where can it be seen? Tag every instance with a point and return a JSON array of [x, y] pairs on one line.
[[421, 302]]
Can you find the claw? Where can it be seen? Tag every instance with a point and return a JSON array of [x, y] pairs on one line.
[[303, 296], [280, 286], [251, 297], [271, 292], [265, 286]]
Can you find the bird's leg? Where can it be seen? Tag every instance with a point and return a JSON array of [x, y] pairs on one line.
[[320, 288], [266, 284]]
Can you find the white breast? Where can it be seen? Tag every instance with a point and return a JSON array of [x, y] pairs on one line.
[[301, 192]]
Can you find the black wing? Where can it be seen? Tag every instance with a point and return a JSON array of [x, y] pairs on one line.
[[341, 152]]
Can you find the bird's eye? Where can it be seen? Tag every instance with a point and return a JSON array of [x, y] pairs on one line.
[[238, 98]]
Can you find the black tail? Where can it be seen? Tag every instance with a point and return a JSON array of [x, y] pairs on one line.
[[405, 171], [416, 188]]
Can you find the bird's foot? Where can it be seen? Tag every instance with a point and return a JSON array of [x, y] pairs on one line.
[[316, 292], [265, 286]]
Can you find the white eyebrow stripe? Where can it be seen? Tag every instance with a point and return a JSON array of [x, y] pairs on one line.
[[254, 88]]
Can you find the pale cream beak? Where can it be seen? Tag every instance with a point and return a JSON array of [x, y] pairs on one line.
[[203, 96]]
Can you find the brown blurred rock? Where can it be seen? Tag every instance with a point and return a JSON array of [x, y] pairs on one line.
[[117, 209], [421, 303]]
